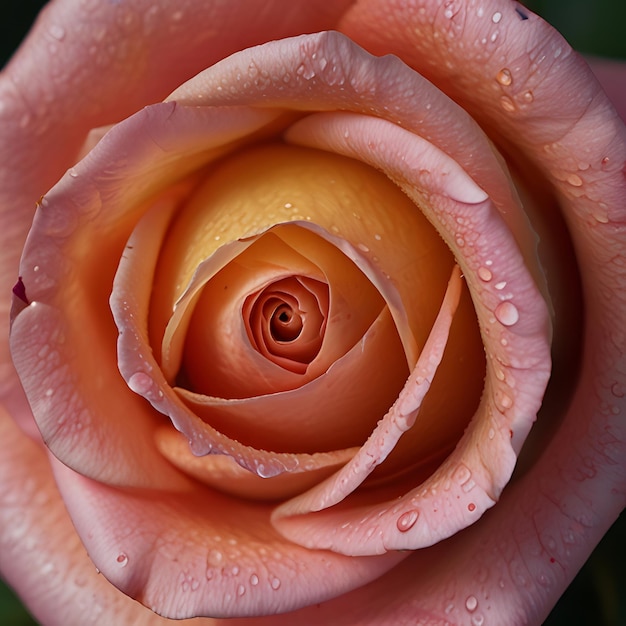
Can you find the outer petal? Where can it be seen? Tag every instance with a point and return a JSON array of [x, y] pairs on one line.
[[612, 76], [88, 63], [561, 507], [198, 552], [68, 267], [46, 562]]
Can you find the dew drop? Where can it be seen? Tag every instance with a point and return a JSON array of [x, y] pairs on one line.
[[501, 285], [471, 603], [496, 17], [58, 32], [471, 507], [504, 77], [254, 580], [407, 520], [528, 96], [505, 401], [462, 474], [241, 590], [275, 583], [507, 104], [122, 559], [140, 383], [575, 180], [507, 313], [362, 247], [478, 620], [215, 558], [72, 172], [491, 434], [484, 274]]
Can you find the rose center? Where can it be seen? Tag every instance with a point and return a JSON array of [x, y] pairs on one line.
[[287, 320]]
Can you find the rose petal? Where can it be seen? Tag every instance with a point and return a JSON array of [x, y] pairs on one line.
[[88, 66], [68, 267], [231, 564]]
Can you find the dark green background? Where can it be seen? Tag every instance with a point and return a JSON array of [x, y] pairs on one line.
[[597, 597]]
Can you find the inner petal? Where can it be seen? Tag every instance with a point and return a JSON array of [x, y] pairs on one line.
[[286, 321]]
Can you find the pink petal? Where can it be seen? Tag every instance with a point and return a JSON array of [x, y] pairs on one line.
[[198, 552], [93, 64], [68, 268], [550, 519]]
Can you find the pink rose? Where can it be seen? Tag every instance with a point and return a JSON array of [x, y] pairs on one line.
[[266, 382]]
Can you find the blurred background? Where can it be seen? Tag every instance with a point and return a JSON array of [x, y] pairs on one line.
[[597, 597]]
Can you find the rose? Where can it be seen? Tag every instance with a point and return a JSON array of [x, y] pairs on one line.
[[564, 477]]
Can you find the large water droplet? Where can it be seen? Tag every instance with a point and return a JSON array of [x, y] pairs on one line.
[[275, 583], [122, 559], [407, 520], [471, 603], [575, 180], [484, 274], [254, 580], [496, 17], [504, 76], [507, 314], [140, 383]]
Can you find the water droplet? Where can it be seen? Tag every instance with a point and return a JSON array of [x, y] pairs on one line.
[[528, 96], [575, 180], [484, 274], [491, 434], [122, 559], [507, 314], [275, 583], [507, 104], [254, 580], [58, 32], [471, 507], [72, 172], [215, 557], [478, 620], [462, 474], [140, 383], [504, 77], [362, 247], [496, 17], [504, 401], [407, 520], [471, 603], [448, 14], [501, 285], [543, 580], [241, 590]]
